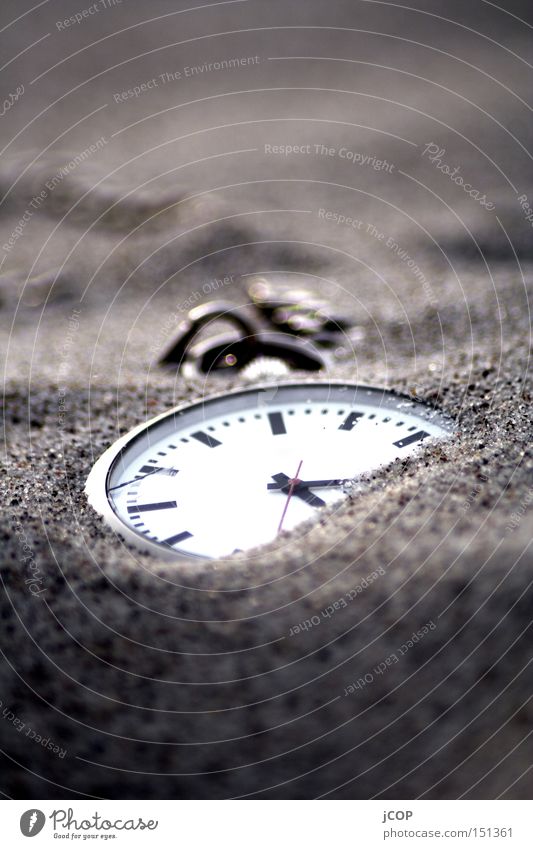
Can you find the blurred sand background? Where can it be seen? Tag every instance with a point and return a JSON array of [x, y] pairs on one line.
[[181, 680]]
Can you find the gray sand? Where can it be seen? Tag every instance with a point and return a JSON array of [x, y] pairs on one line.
[[140, 678]]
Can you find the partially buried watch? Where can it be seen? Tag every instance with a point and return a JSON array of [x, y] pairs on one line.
[[236, 469]]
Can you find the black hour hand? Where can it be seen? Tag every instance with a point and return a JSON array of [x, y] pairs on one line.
[[324, 482], [284, 484]]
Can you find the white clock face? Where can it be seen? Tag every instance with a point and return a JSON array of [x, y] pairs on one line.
[[235, 471]]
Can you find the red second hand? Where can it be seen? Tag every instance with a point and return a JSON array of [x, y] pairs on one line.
[[293, 481]]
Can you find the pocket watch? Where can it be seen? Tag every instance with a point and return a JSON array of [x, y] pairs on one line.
[[236, 469]]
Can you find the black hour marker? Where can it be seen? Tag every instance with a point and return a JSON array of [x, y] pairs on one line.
[[205, 439], [177, 538], [350, 421], [277, 425], [148, 470], [408, 440], [157, 505]]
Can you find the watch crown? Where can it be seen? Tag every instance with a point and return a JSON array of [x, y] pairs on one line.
[[264, 367]]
